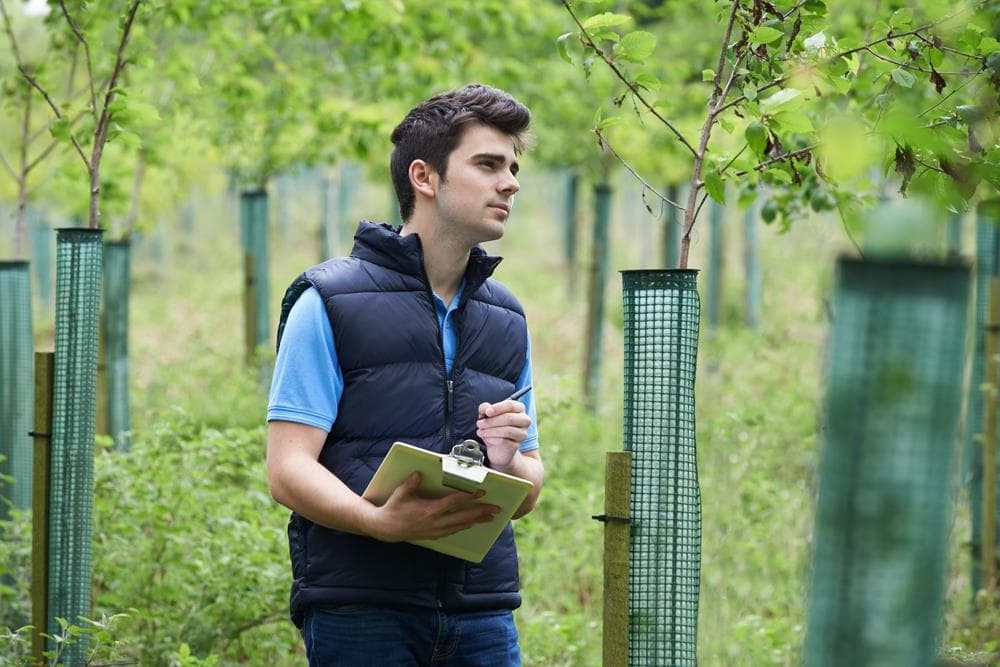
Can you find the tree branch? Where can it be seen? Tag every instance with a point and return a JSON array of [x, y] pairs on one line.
[[86, 53], [41, 156], [10, 34], [863, 48], [7, 167], [604, 144], [631, 86], [945, 98], [101, 131], [779, 158], [55, 110], [714, 108], [949, 49], [915, 68]]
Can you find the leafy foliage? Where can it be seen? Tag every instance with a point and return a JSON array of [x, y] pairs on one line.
[[811, 103]]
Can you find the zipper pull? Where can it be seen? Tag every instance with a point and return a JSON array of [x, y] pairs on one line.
[[451, 404]]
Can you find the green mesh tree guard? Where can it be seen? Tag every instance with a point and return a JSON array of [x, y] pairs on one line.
[[187, 218], [662, 311], [285, 184], [41, 258], [955, 235], [78, 288], [324, 219], [987, 266], [349, 187], [16, 382], [570, 227], [894, 380], [595, 305], [117, 283], [751, 257], [717, 244], [253, 225]]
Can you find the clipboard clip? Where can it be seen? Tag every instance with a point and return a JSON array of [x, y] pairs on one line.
[[468, 454]]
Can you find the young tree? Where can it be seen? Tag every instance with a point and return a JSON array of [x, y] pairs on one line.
[[807, 100]]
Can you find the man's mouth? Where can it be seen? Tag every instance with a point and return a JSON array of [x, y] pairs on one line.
[[503, 207]]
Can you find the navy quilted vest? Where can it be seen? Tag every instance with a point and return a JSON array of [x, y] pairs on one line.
[[388, 343]]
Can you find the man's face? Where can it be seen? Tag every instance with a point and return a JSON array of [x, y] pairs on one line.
[[475, 198]]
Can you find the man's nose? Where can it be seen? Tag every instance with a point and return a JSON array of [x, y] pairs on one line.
[[509, 184]]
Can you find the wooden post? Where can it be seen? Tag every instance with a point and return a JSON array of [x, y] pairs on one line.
[[617, 531], [989, 551], [42, 434]]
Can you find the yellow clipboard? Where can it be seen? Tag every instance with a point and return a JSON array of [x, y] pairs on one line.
[[440, 475]]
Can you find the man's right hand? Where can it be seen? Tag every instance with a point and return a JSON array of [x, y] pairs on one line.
[[407, 516]]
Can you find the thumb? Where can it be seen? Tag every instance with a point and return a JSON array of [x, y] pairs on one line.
[[412, 483], [408, 487]]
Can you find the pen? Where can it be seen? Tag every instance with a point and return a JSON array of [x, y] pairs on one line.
[[513, 397], [518, 394]]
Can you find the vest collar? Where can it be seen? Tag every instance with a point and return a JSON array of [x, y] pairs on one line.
[[381, 244]]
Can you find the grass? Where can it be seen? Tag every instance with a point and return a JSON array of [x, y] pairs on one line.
[[759, 396]]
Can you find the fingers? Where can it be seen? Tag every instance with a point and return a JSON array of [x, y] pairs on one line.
[[409, 516], [494, 409]]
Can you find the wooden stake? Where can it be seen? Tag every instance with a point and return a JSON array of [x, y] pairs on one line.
[[42, 434], [617, 533]]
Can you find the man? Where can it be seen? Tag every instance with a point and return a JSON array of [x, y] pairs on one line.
[[408, 339]]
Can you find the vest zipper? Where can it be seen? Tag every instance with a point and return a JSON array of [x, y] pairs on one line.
[[450, 406], [449, 396]]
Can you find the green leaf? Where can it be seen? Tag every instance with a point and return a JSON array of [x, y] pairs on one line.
[[563, 46], [786, 98], [609, 122], [765, 35], [750, 92], [60, 128], [903, 78], [605, 36], [817, 7], [647, 81], [794, 121], [605, 20], [970, 113], [988, 45], [780, 175], [636, 46], [993, 61], [756, 136], [715, 186], [901, 18], [708, 75]]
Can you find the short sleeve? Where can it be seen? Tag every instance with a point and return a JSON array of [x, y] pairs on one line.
[[307, 383]]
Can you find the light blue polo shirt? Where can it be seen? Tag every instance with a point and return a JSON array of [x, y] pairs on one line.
[[308, 382]]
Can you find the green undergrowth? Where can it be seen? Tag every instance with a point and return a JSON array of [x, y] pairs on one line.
[[190, 553]]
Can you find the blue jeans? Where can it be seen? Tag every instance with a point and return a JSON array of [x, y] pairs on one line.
[[357, 636]]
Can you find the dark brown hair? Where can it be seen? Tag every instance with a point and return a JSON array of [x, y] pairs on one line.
[[432, 130]]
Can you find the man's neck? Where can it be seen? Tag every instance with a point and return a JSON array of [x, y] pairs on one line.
[[444, 260]]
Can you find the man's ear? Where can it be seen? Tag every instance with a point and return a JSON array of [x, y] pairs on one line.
[[423, 178]]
